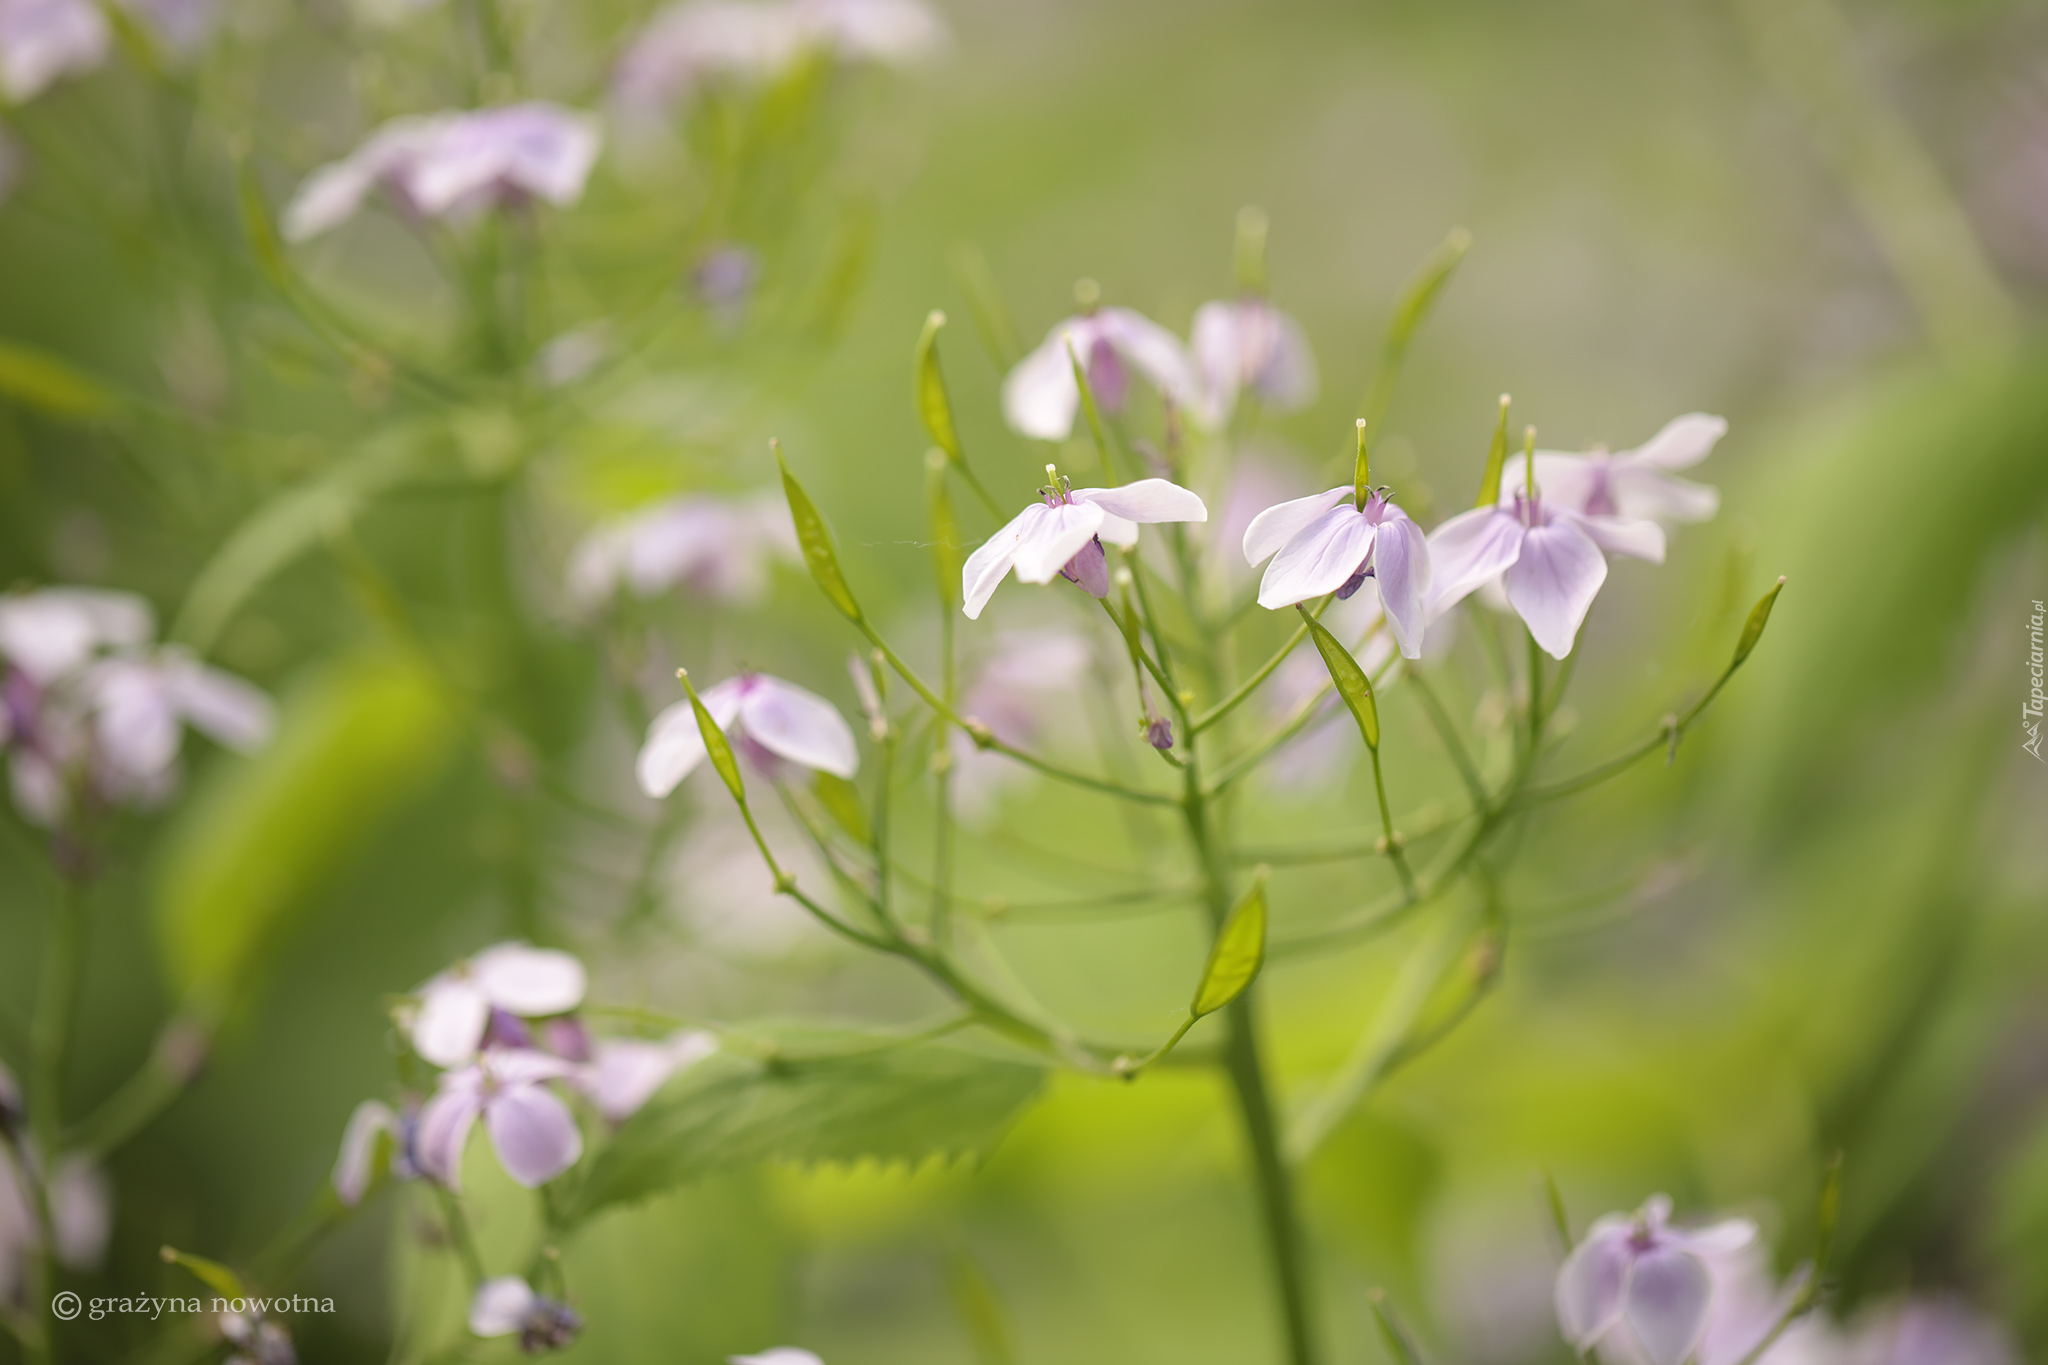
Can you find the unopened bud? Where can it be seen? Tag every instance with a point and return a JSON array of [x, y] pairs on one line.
[[1159, 732]]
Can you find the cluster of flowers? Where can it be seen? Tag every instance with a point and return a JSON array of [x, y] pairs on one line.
[[1640, 1290], [92, 714]]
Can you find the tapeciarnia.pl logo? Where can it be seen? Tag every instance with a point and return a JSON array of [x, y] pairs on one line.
[[2030, 712]]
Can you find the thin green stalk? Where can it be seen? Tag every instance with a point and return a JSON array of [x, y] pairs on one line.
[[1264, 671], [1388, 834], [941, 922], [1447, 731]]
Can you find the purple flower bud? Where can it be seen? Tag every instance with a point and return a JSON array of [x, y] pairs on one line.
[[566, 1038], [1159, 733], [548, 1326], [506, 1029], [1090, 568]]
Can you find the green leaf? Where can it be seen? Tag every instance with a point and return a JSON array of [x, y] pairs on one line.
[[39, 380], [212, 1274], [258, 225], [819, 555], [932, 403], [1496, 460], [715, 742], [885, 1103], [841, 800], [980, 1309], [1399, 1347], [1753, 630], [1352, 684], [250, 851], [1236, 955]]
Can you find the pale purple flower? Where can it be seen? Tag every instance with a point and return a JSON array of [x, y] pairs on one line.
[[81, 1211], [532, 1131], [258, 1340], [1547, 556], [1634, 484], [141, 705], [686, 45], [1327, 543], [56, 631], [1029, 680], [508, 1304], [771, 721], [777, 1355], [453, 164], [718, 547], [1250, 344], [1040, 397], [180, 25], [1745, 1306], [42, 41], [1062, 533], [625, 1072], [1638, 1279], [1937, 1330], [512, 979], [378, 1139]]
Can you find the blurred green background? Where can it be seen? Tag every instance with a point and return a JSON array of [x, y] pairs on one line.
[[1821, 928]]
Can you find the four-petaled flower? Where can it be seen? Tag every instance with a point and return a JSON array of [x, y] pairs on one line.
[[1636, 484], [507, 1304], [1250, 344], [457, 1006], [1641, 1276], [1040, 397], [773, 722], [1062, 534], [1328, 543], [532, 1131], [453, 164]]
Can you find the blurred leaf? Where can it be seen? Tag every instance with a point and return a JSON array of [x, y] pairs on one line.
[[1372, 1185], [212, 1274], [1753, 629], [39, 380], [355, 741], [841, 800], [1237, 954], [980, 1309], [1391, 1334], [819, 556], [932, 404], [1352, 684], [888, 1103]]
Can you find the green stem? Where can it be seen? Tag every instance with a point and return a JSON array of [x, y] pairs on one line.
[[1454, 745], [1265, 671], [1395, 853], [63, 980]]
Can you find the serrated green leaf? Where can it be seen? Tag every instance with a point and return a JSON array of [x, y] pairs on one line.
[[819, 556], [933, 405], [39, 380], [1352, 684], [715, 743], [355, 740], [841, 800], [1236, 955], [1753, 629], [887, 1103]]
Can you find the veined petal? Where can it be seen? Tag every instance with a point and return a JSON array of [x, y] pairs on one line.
[[1667, 1298], [1282, 522], [1400, 562], [674, 747], [1592, 1284], [1468, 550], [534, 1134], [1040, 397], [1318, 560], [444, 1131], [1056, 538], [529, 981], [800, 726], [1683, 442], [450, 1023], [352, 1167], [1553, 584], [1623, 535], [1146, 500], [500, 1306], [986, 567]]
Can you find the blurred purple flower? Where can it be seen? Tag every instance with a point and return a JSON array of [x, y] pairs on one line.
[[686, 45], [718, 547], [1250, 344], [1640, 1279], [42, 41], [1927, 1330], [724, 280], [531, 1130], [1327, 543], [1062, 534], [365, 1154], [1031, 678], [258, 1340], [55, 631], [626, 1072], [508, 1304], [1634, 484], [570, 357], [1040, 397], [140, 706], [455, 1006], [771, 721], [453, 165], [180, 25]]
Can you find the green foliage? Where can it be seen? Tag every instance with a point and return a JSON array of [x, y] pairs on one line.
[[981, 1309], [841, 800], [884, 1103], [1352, 684], [1236, 955], [932, 403], [715, 743], [811, 533], [41, 381]]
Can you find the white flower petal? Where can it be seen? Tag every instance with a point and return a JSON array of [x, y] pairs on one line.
[[1400, 564], [777, 1355], [1683, 442], [628, 1071], [500, 1306], [1281, 523], [1468, 550], [1662, 497], [1153, 351], [798, 725], [1592, 1284], [1056, 538], [219, 705], [1623, 535], [451, 1019], [1116, 531], [55, 631], [533, 1133], [1146, 500], [987, 566], [1553, 584], [444, 1128], [1319, 560], [44, 40], [354, 1168], [529, 981], [1667, 1299], [81, 1211], [1716, 1239], [1040, 396]]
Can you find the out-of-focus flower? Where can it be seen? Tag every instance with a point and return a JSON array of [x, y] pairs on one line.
[[19, 1238], [571, 357], [718, 547], [1635, 484], [508, 1304], [1040, 397], [1250, 344], [1062, 534], [1547, 556], [140, 706], [180, 25], [771, 721], [364, 1142], [532, 1131], [1327, 543], [1031, 677], [686, 45], [42, 41], [81, 1211], [1745, 1306], [626, 1072], [455, 1007], [1934, 1330], [1638, 1279], [777, 1355], [259, 1340], [724, 280], [55, 631], [454, 164]]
